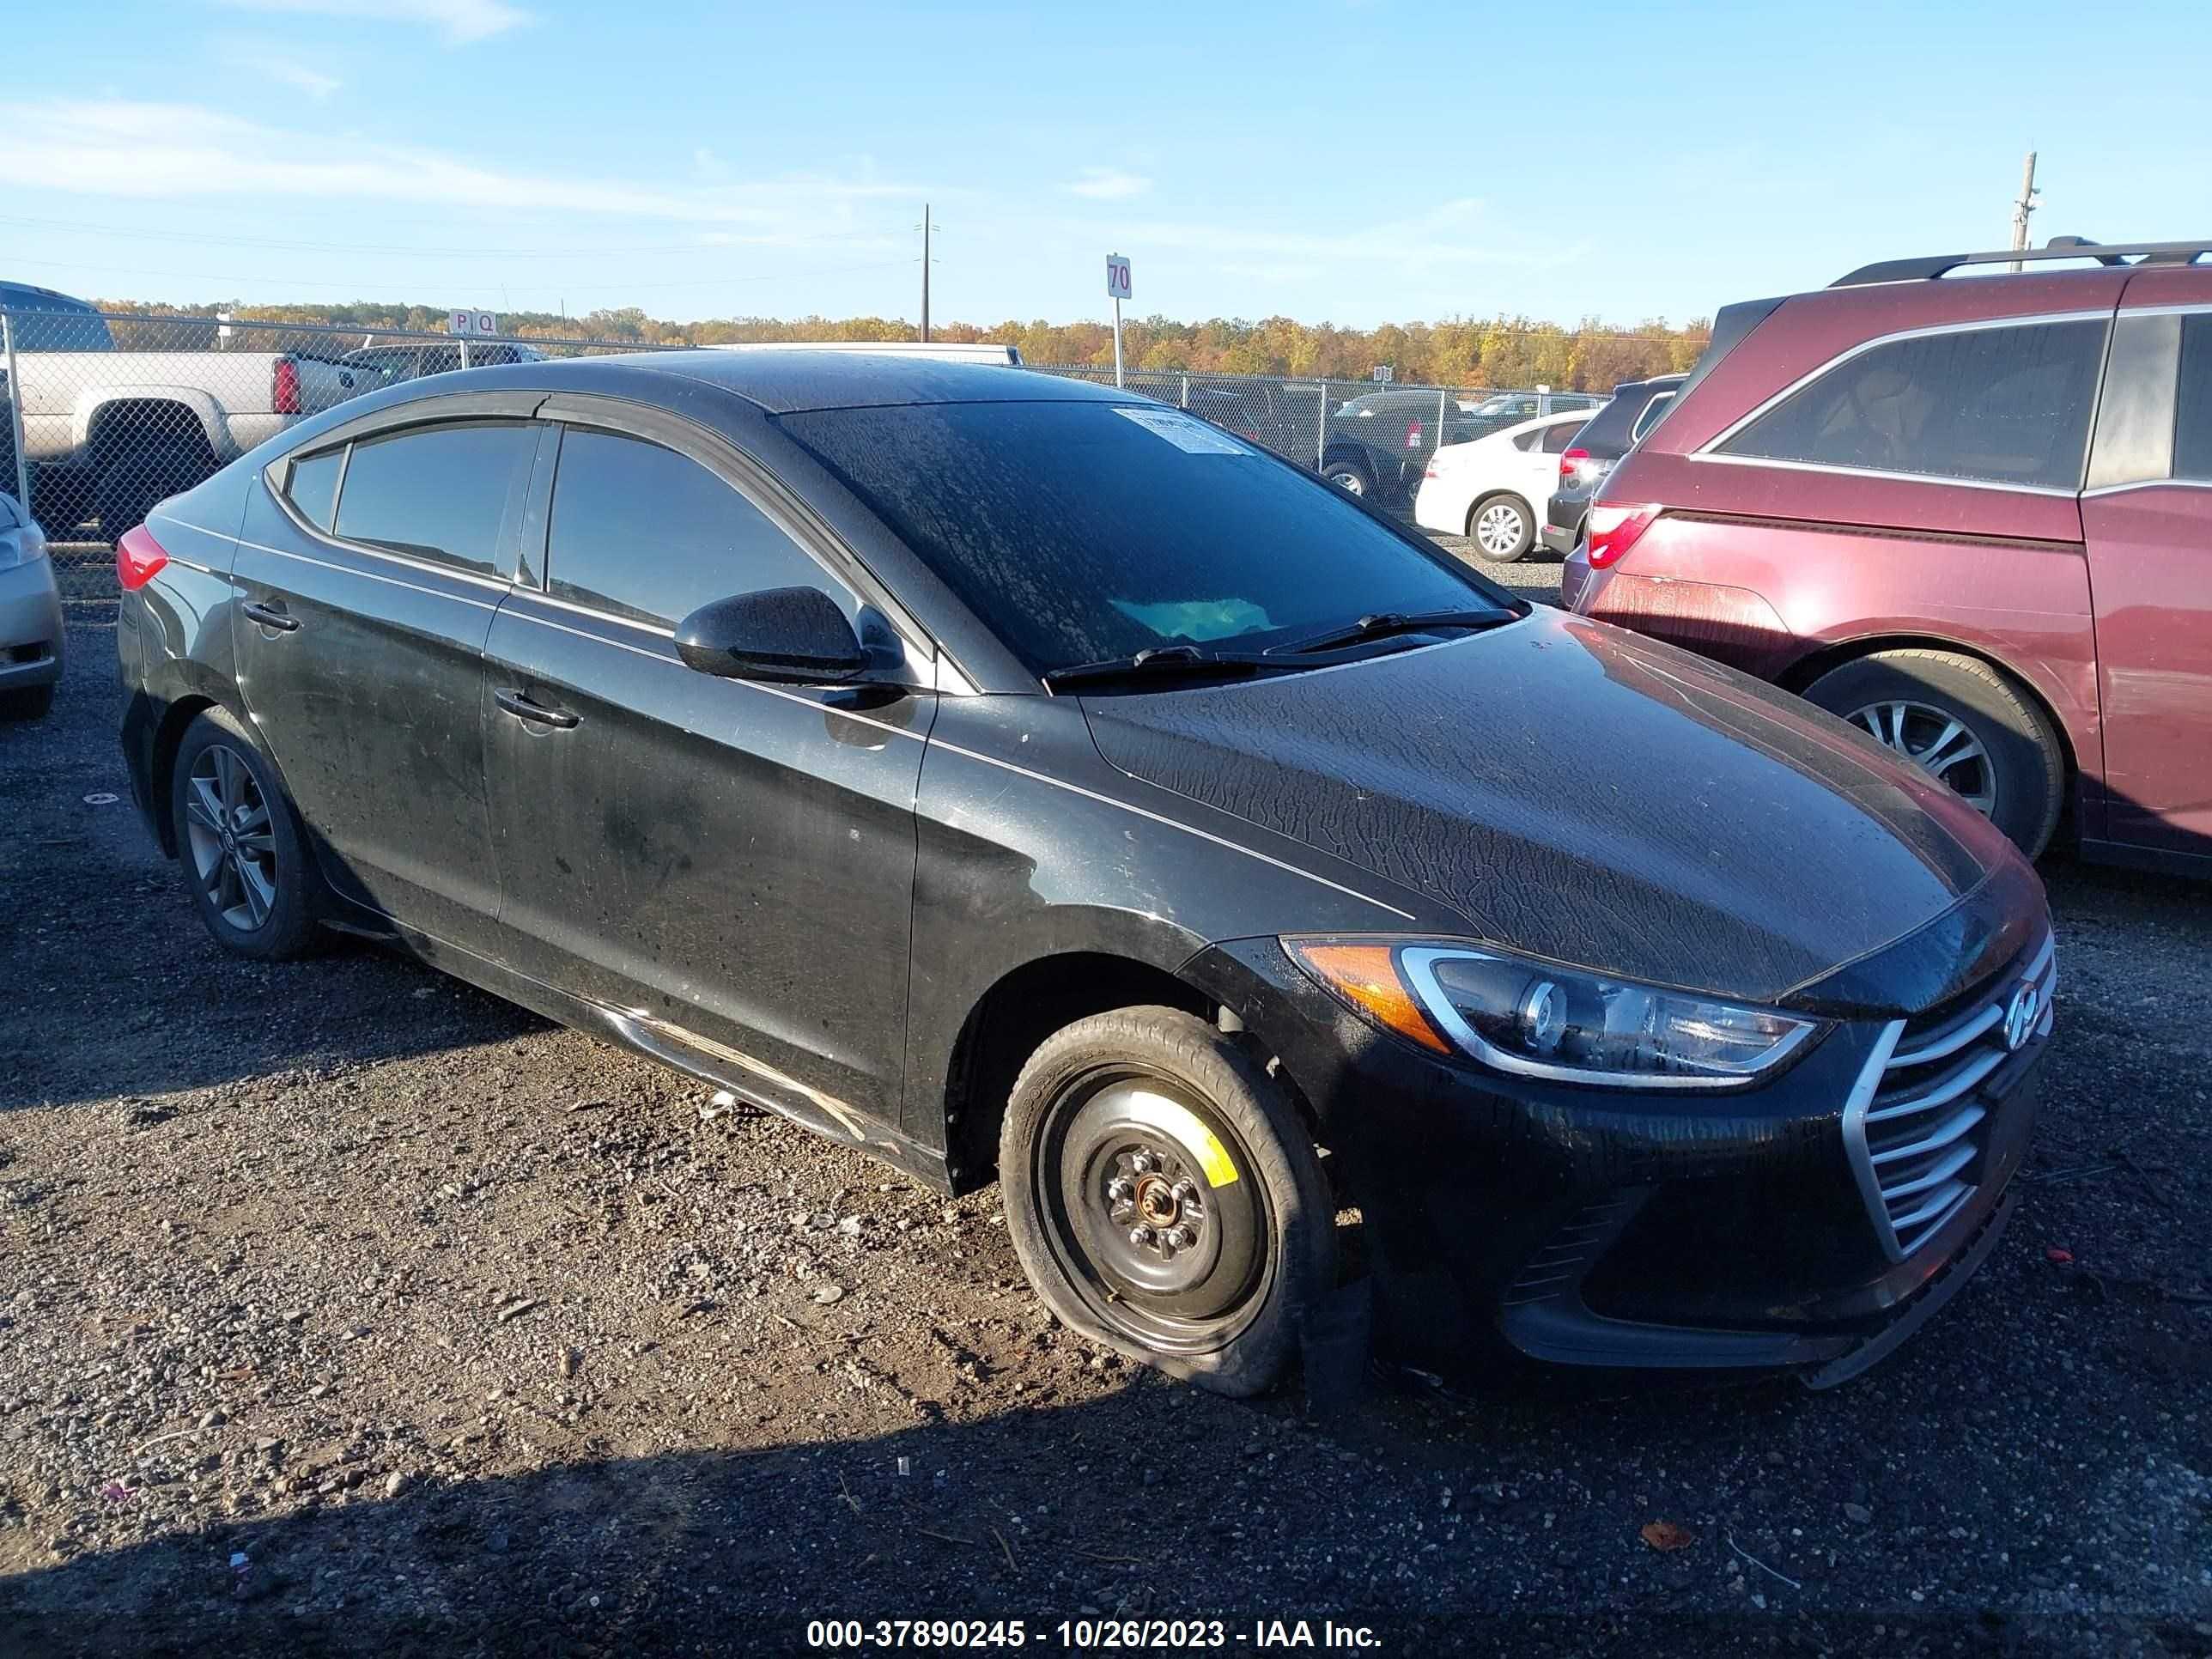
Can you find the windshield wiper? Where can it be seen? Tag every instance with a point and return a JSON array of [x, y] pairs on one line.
[[1382, 624], [1164, 662]]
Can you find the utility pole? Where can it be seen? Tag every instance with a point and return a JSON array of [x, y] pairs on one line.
[[2023, 207], [925, 273]]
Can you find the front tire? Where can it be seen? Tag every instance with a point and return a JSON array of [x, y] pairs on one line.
[[1964, 723], [244, 851], [1502, 528], [1163, 1198]]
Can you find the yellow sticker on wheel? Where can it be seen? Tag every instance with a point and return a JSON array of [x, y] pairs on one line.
[[1184, 1124]]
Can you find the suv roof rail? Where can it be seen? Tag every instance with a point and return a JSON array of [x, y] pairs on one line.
[[2059, 247]]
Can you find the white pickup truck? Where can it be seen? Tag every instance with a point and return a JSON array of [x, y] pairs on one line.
[[108, 430]]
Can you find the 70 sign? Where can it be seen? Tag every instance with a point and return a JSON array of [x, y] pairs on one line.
[[1117, 277]]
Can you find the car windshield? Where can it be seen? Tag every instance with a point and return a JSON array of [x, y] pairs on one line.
[[1086, 531]]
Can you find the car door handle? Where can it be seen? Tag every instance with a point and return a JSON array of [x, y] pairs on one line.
[[517, 704], [272, 615]]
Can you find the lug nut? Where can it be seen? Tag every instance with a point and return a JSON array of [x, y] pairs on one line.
[[1120, 1189], [1185, 1190], [1142, 1238], [1141, 1163], [1177, 1237]]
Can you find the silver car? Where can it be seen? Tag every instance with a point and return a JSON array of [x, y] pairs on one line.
[[30, 617]]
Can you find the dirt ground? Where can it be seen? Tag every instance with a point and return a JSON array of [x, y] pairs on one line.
[[344, 1308]]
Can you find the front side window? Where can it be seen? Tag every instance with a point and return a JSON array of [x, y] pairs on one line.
[[438, 492], [643, 532], [1081, 531], [1996, 405], [2192, 415]]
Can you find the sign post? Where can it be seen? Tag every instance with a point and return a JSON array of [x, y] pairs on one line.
[[1117, 285]]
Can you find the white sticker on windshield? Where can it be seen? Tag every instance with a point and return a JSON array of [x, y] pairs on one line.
[[1193, 437]]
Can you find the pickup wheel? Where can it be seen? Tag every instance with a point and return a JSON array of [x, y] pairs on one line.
[[1164, 1198], [1351, 477], [1964, 724], [134, 477]]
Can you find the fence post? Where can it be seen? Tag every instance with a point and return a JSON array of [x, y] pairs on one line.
[[465, 351], [1321, 433], [1183, 401], [22, 479], [1443, 394]]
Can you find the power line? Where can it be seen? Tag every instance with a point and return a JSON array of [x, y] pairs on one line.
[[393, 247], [588, 287]]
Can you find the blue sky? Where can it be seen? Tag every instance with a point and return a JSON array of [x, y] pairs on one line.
[[1352, 161]]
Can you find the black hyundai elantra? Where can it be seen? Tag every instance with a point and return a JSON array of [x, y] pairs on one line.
[[1008, 775]]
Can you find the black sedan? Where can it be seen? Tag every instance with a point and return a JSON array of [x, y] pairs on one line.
[[1003, 774]]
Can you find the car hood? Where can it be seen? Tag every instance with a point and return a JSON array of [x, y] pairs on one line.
[[1578, 793]]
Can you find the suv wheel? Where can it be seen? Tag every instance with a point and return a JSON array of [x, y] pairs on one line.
[[244, 852], [1964, 724], [1349, 476], [1502, 527], [1163, 1198]]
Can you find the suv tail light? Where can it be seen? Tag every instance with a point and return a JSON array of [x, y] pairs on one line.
[[138, 558], [1614, 530], [1578, 467], [1412, 434], [284, 388]]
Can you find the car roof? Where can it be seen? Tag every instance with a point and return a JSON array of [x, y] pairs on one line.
[[787, 382]]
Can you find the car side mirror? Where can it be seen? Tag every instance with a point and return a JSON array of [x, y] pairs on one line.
[[794, 635]]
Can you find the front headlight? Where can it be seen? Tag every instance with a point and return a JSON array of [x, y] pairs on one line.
[[1534, 1020]]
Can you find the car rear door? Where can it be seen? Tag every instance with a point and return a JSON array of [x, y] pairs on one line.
[[730, 864], [369, 582], [2147, 518]]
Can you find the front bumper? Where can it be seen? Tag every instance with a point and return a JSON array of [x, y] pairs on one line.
[[1509, 1222], [30, 627]]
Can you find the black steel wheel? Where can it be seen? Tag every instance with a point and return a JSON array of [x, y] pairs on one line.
[[1164, 1198], [244, 852]]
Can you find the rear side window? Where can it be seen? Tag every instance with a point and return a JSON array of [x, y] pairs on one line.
[[1649, 418], [313, 487], [643, 532], [1996, 405], [1557, 439], [1526, 441], [438, 493], [2192, 415]]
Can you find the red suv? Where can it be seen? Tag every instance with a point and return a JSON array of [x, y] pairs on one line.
[[1972, 517]]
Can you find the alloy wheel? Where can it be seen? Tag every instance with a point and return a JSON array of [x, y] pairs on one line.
[[1939, 743], [1498, 529], [1349, 482], [232, 839]]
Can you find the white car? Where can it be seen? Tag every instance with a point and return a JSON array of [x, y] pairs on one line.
[[1492, 489]]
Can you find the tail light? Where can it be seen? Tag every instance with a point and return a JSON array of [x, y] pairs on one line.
[[1614, 530], [138, 558], [1412, 434], [284, 388]]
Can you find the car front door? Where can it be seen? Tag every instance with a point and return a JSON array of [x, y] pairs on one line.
[[2146, 518], [726, 866], [368, 579]]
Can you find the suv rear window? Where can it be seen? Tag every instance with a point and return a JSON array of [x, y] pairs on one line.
[[1993, 405]]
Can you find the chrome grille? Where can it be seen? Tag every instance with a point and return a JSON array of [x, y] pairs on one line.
[[1916, 1124]]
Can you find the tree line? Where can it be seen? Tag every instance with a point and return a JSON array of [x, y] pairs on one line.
[[1496, 351]]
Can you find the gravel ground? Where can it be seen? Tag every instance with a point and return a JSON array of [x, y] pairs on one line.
[[344, 1308]]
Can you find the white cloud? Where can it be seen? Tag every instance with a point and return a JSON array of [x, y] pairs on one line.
[[459, 21], [1109, 184], [258, 59], [179, 151]]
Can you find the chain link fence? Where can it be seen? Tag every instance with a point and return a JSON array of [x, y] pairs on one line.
[[107, 413], [1373, 440]]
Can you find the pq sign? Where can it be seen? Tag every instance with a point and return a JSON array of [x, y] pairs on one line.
[[1117, 277], [1383, 372], [472, 322]]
